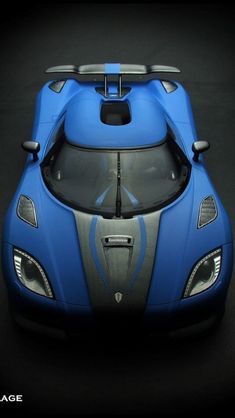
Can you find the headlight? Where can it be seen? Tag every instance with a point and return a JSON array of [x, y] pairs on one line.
[[26, 210], [31, 274], [204, 274]]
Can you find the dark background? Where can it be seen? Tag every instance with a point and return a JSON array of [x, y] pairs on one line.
[[119, 376]]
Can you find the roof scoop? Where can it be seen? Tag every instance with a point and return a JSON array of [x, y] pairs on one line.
[[115, 113]]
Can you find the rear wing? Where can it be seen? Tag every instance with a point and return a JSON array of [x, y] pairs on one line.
[[112, 69]]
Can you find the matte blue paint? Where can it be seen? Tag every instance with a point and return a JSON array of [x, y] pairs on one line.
[[92, 244], [211, 295], [23, 299], [143, 244], [112, 68], [181, 244], [84, 127], [55, 243]]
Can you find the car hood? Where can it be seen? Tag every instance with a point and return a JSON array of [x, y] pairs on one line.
[[101, 262]]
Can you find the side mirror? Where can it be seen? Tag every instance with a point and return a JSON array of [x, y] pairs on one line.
[[198, 147], [32, 147]]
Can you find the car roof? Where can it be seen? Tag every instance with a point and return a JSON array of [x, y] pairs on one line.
[[83, 125]]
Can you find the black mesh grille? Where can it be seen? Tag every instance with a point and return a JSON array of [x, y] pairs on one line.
[[208, 211]]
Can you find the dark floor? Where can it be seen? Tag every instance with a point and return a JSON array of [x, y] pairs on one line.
[[120, 376]]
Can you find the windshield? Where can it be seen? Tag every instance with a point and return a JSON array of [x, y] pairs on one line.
[[116, 183]]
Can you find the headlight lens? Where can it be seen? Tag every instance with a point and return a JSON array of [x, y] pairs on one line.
[[204, 274], [31, 274], [26, 210]]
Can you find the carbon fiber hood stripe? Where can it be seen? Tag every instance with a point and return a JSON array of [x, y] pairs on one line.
[[118, 256]]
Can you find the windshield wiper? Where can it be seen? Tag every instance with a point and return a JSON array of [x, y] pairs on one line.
[[118, 195]]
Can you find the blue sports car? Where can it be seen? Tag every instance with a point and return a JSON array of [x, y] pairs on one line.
[[115, 220]]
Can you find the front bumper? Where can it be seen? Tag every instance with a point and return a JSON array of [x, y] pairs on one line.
[[64, 323], [53, 317]]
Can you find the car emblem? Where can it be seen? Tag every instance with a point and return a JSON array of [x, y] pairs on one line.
[[118, 241], [118, 297]]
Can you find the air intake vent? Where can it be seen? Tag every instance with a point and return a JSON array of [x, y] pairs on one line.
[[57, 85], [208, 211], [169, 86], [115, 113]]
